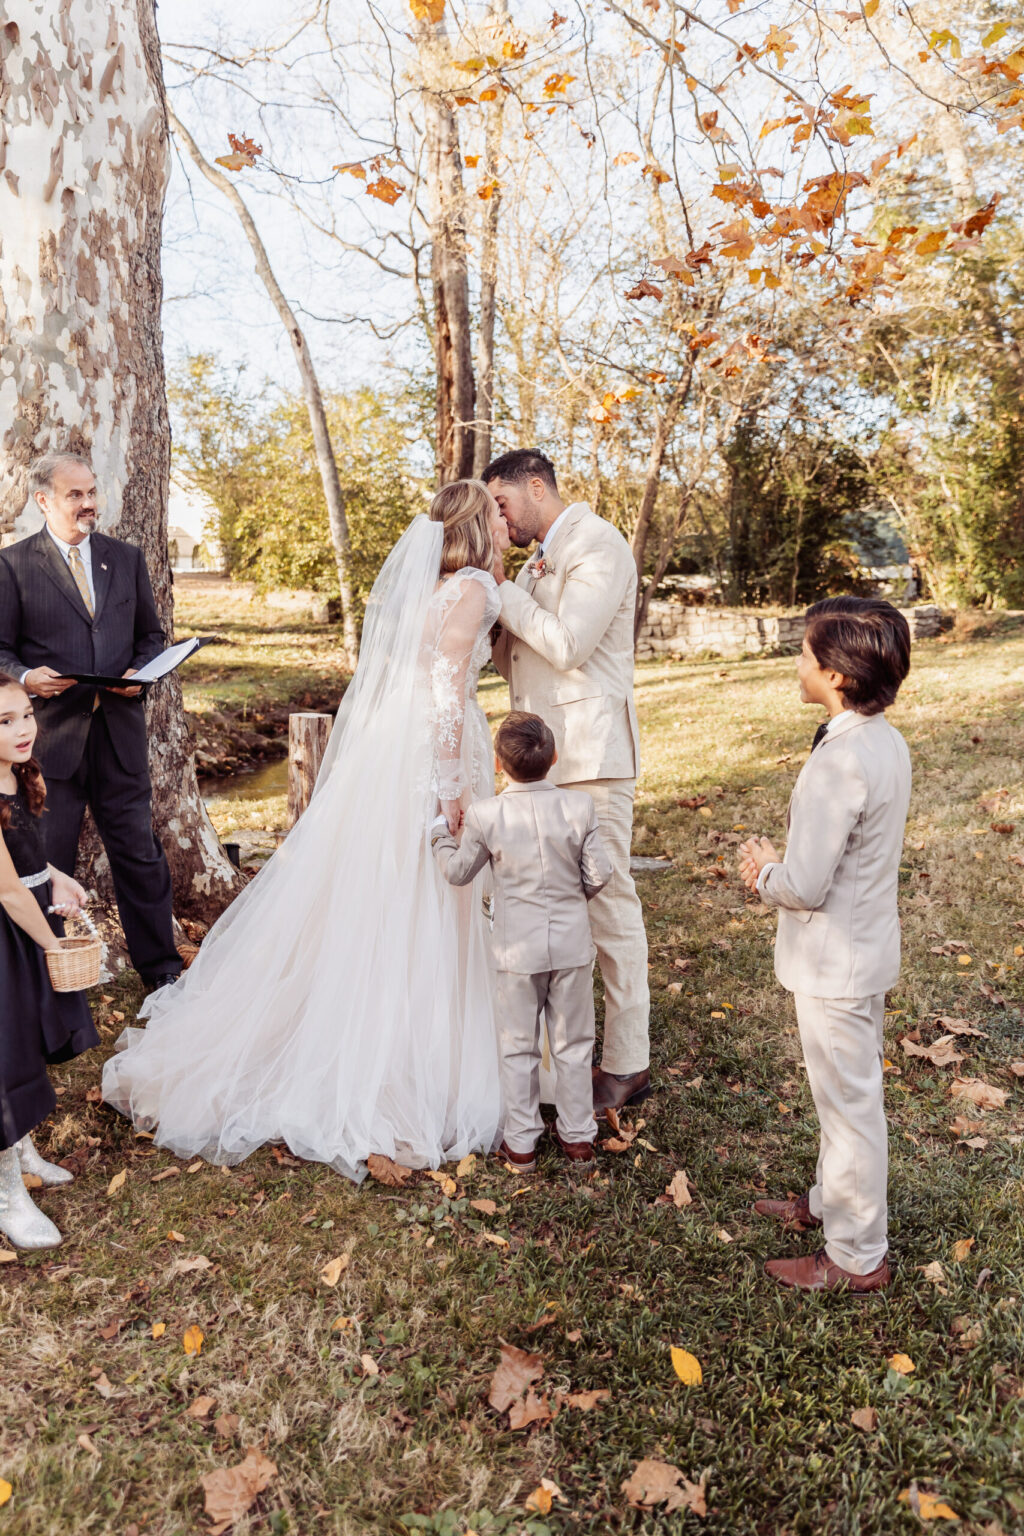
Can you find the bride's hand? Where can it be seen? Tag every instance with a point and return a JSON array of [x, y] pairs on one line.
[[453, 813]]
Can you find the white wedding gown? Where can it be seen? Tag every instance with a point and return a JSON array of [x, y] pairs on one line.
[[343, 1003]]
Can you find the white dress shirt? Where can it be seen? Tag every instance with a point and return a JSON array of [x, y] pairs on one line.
[[546, 540]]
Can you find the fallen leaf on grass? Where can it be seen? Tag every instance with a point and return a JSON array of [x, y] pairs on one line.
[[6, 1490], [230, 1491], [117, 1182], [386, 1172], [962, 1249], [485, 1207], [679, 1189], [977, 1143], [333, 1271], [447, 1184], [201, 1408], [925, 1505], [226, 1425], [541, 1498], [865, 1419], [112, 1330], [933, 1272], [158, 1330], [85, 1441], [941, 1053], [687, 1367], [515, 1373], [103, 1386], [495, 1238], [723, 1236], [167, 1173], [369, 1365], [466, 1166], [961, 1126], [960, 1027], [995, 998], [31, 1181], [978, 1092], [1017, 1068], [186, 1266], [341, 1325], [585, 1401], [7, 1256], [193, 1340], [657, 1482], [531, 1409], [901, 1364], [175, 1237]]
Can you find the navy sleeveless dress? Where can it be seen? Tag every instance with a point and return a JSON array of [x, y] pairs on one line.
[[37, 1024]]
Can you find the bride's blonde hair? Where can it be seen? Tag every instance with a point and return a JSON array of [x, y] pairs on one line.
[[464, 509]]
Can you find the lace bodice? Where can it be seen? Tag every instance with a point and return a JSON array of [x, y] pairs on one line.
[[455, 647]]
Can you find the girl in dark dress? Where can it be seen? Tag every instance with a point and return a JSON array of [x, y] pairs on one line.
[[37, 1024]]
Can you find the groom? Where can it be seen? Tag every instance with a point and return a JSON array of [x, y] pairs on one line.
[[566, 647]]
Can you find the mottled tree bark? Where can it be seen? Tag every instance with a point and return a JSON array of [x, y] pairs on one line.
[[83, 171]]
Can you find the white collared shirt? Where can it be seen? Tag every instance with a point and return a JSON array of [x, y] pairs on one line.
[[546, 540], [85, 550]]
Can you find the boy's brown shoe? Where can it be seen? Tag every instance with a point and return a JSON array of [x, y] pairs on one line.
[[576, 1151], [794, 1213], [816, 1272], [522, 1162], [613, 1092]]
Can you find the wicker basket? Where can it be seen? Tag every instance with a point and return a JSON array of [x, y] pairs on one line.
[[76, 964]]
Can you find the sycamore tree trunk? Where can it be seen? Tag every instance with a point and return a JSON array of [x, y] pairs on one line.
[[83, 170], [449, 264]]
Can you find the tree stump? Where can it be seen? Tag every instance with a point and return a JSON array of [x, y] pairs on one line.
[[307, 742]]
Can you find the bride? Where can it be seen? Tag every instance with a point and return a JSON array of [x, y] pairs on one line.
[[342, 1004]]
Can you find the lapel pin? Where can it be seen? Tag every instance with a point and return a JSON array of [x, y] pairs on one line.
[[102, 567]]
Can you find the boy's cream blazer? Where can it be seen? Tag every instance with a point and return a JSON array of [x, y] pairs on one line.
[[566, 648], [839, 931], [547, 859]]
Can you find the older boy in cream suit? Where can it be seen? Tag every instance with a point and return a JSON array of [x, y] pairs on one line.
[[566, 648], [838, 943], [547, 859]]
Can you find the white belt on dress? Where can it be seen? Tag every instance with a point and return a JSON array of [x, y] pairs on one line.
[[33, 880]]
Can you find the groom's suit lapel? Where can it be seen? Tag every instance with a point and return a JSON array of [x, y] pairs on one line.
[[574, 515]]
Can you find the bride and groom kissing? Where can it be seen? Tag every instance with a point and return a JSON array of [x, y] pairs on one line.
[[352, 1001]]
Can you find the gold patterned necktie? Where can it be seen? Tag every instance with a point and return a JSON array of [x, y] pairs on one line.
[[77, 565]]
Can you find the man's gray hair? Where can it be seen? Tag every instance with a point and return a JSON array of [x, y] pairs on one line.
[[42, 470]]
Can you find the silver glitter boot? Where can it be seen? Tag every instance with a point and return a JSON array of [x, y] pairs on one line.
[[32, 1162], [21, 1220]]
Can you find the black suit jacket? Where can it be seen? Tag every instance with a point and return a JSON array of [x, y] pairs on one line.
[[45, 623]]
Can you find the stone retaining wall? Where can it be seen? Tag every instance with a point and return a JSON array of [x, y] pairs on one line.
[[672, 629]]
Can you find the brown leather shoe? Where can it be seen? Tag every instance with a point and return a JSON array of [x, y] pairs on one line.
[[576, 1151], [816, 1272], [794, 1213], [615, 1093], [522, 1162]]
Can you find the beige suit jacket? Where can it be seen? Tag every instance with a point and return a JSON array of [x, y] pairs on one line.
[[566, 648], [839, 931], [548, 860]]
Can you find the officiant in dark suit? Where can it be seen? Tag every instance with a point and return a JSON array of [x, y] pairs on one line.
[[75, 601]]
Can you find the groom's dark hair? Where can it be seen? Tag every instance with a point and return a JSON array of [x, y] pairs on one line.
[[520, 465], [866, 639], [525, 747]]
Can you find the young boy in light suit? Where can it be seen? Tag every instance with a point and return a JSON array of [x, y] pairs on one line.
[[838, 943], [547, 860]]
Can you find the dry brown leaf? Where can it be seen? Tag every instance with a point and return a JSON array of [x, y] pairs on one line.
[[978, 1092], [386, 1172], [925, 1505], [960, 1027], [976, 1143], [85, 1441], [531, 1409], [657, 1482], [962, 1249], [8, 1256], [158, 1330], [517, 1370], [201, 1408], [186, 1266], [117, 1182], [175, 1237], [679, 1189], [31, 1181], [865, 1419], [485, 1207], [167, 1173], [230, 1491], [584, 1401], [941, 1053], [226, 1425], [446, 1183], [933, 1272], [466, 1166], [369, 1365], [193, 1340], [103, 1386], [1017, 1068], [961, 1126], [334, 1269], [901, 1364], [541, 1498]]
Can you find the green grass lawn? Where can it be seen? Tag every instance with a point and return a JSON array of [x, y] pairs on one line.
[[369, 1396]]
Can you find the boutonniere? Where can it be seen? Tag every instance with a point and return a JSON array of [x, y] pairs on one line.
[[539, 567]]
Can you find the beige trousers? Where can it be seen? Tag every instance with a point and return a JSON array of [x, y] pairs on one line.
[[617, 926], [842, 1046], [564, 1002]]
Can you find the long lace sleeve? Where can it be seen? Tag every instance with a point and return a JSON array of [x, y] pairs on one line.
[[457, 634]]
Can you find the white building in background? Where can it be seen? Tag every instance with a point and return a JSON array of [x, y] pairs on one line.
[[191, 529]]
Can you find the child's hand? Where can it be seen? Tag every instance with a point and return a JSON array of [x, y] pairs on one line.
[[68, 896], [453, 813], [754, 854]]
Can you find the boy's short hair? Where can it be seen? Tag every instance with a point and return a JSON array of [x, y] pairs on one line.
[[868, 641], [519, 465], [525, 746]]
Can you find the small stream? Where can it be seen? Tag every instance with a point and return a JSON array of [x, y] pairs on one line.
[[257, 784]]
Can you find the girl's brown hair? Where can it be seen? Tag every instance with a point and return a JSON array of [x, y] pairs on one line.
[[464, 509], [29, 775]]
